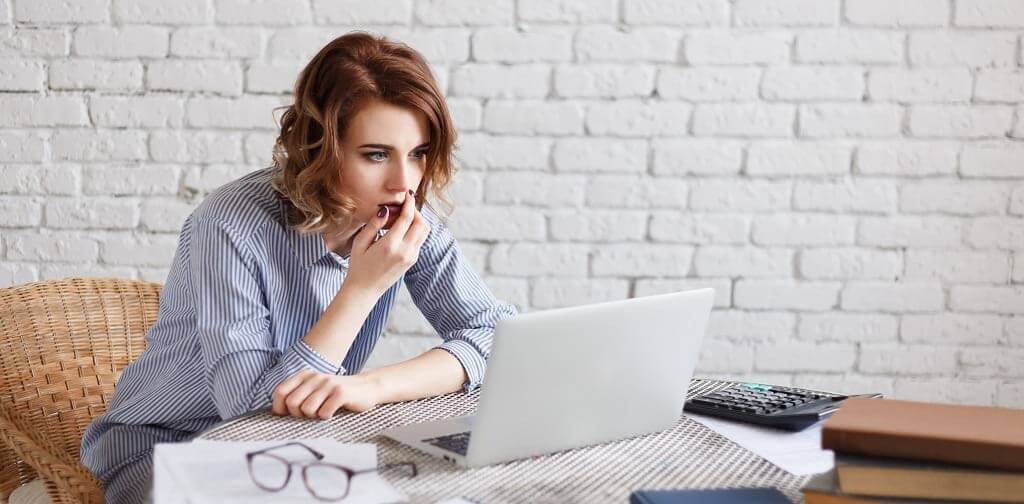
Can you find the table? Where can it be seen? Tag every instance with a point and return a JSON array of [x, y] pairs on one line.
[[688, 455]]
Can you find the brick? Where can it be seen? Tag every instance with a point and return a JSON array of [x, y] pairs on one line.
[[5, 12], [743, 120], [276, 77], [740, 196], [361, 12], [153, 111], [797, 356], [529, 117], [483, 152], [568, 11], [250, 112], [958, 267], [164, 214], [847, 195], [142, 180], [803, 158], [736, 48], [508, 45], [703, 229], [598, 226], [847, 327], [220, 42], [692, 13], [991, 299], [920, 85], [850, 264], [697, 157], [975, 49], [59, 271], [121, 42], [860, 120], [709, 83], [750, 327], [961, 121], [992, 159], [1010, 395], [59, 247], [61, 11], [12, 274], [21, 146], [907, 158], [96, 74], [641, 260], [897, 13], [258, 148], [955, 197], [182, 12], [195, 146], [1015, 330], [34, 111], [803, 229], [39, 179], [199, 76], [893, 297], [263, 12], [494, 81], [21, 42], [20, 211], [951, 329], [540, 259], [606, 43], [1017, 201], [891, 359], [627, 118], [517, 224], [207, 178], [721, 357], [846, 383], [910, 232], [299, 44], [598, 155], [813, 83], [1018, 268], [548, 190], [745, 262], [849, 46], [1000, 85], [654, 286], [98, 145], [437, 45], [950, 391], [92, 213], [467, 189], [786, 13], [22, 75], [511, 290], [997, 232], [601, 80], [562, 292], [139, 250], [626, 191], [465, 12], [989, 13]]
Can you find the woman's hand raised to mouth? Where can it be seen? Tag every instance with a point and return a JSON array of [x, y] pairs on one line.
[[376, 265]]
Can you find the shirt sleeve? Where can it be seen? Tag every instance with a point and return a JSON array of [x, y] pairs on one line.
[[243, 366], [455, 301]]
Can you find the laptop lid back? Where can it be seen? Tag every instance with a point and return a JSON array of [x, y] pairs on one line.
[[572, 377]]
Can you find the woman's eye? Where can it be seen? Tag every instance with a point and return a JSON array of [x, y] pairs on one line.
[[420, 154], [377, 156]]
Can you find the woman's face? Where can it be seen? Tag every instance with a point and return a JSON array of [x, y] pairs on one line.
[[384, 152]]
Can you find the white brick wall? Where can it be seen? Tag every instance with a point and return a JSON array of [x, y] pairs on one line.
[[848, 175]]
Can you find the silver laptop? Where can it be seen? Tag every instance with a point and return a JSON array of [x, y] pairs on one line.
[[572, 377]]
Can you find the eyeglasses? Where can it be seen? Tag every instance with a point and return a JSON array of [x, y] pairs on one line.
[[324, 481]]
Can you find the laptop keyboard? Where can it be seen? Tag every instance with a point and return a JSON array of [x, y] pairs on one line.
[[457, 442]]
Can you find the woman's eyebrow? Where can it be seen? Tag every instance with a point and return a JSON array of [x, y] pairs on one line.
[[389, 148]]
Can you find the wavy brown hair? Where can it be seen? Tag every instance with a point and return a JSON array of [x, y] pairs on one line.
[[345, 74]]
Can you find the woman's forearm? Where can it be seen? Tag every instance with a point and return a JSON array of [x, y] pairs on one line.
[[432, 373], [333, 334]]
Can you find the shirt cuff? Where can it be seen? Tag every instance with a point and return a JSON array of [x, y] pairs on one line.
[[314, 359], [471, 361]]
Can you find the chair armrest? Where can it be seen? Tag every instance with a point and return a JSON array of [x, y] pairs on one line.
[[67, 481]]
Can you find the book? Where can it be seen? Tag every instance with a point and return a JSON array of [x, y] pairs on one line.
[[907, 478], [970, 435], [824, 489], [709, 496]]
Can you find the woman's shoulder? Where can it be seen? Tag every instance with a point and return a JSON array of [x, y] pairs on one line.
[[247, 202]]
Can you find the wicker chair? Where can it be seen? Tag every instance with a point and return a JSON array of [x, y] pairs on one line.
[[62, 345]]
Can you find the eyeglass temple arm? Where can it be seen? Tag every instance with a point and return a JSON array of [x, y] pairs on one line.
[[318, 455]]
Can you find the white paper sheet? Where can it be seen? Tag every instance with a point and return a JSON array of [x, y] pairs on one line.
[[798, 453], [206, 471]]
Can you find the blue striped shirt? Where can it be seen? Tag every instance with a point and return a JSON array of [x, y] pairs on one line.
[[242, 291]]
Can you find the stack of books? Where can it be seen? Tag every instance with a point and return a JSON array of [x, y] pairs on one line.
[[902, 451]]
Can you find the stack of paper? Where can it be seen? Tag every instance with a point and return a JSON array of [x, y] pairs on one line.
[[216, 472]]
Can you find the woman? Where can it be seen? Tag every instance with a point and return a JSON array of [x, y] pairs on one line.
[[283, 280]]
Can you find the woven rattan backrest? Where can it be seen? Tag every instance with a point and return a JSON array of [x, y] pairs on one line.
[[63, 343]]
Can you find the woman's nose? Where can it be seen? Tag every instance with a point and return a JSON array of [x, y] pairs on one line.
[[405, 175]]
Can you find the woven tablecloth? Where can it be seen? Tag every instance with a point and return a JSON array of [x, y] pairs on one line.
[[688, 455]]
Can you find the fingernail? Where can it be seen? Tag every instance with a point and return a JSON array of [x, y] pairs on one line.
[[410, 191], [383, 212]]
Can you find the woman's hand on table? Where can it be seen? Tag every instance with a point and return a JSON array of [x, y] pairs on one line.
[[310, 394]]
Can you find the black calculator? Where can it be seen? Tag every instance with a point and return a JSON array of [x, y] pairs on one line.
[[785, 408]]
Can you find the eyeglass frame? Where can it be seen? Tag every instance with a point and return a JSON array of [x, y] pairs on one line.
[[304, 465]]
